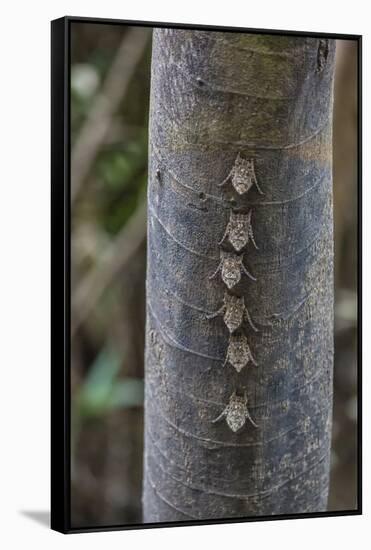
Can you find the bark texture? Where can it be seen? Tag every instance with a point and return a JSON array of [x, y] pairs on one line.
[[215, 96]]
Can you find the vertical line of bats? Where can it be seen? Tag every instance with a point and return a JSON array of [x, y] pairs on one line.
[[238, 233]]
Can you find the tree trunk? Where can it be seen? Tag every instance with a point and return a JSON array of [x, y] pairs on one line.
[[254, 113]]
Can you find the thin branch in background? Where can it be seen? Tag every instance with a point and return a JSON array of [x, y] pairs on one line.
[[117, 255], [106, 103]]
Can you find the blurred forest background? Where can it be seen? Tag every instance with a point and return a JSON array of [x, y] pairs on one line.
[[110, 84]]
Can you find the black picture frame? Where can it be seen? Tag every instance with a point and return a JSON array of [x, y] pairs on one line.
[[60, 275]]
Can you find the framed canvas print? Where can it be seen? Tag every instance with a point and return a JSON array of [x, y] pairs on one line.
[[205, 274]]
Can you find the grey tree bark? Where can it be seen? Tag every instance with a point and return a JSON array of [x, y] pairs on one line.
[[245, 106]]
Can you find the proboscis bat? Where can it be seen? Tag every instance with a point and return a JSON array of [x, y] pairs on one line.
[[238, 352], [242, 176], [236, 412], [231, 266], [239, 231], [234, 311]]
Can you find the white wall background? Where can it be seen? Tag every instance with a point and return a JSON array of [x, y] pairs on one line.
[[25, 260]]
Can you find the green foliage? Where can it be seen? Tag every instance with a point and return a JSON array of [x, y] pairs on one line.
[[103, 391], [112, 190], [122, 177]]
